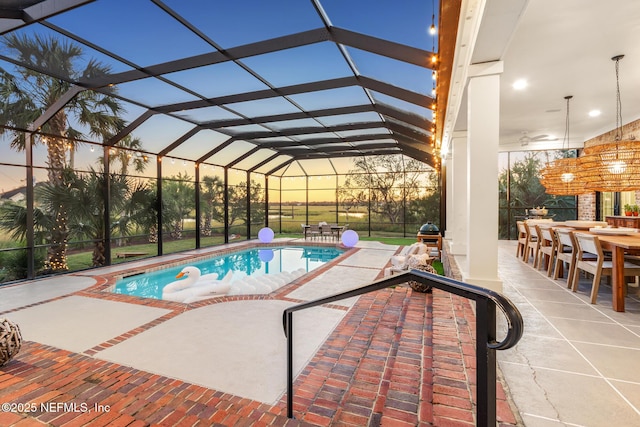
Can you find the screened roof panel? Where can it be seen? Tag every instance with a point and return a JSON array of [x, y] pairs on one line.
[[349, 118], [214, 80], [238, 130], [138, 31], [159, 131], [152, 92], [254, 159], [231, 152], [207, 114], [289, 124], [318, 167], [250, 71], [260, 20], [318, 135], [320, 61], [331, 98], [392, 71], [407, 25], [262, 107], [267, 167], [402, 105], [199, 144], [376, 131], [372, 142], [89, 53]]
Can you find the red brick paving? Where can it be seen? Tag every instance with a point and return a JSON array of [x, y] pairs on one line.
[[398, 358]]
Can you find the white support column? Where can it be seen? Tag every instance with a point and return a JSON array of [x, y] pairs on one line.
[[459, 193], [483, 126], [448, 160]]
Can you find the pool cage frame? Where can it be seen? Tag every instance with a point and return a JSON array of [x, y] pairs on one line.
[[407, 228]]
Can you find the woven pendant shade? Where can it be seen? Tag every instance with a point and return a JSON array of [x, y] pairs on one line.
[[611, 167], [561, 178]]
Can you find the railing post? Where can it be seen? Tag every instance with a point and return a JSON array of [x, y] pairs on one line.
[[289, 332], [486, 363]]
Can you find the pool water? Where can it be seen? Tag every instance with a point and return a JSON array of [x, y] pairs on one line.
[[253, 262]]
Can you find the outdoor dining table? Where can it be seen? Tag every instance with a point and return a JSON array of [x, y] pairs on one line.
[[619, 245], [335, 229]]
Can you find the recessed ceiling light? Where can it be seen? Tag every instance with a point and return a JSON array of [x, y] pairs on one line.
[[520, 84], [594, 113]]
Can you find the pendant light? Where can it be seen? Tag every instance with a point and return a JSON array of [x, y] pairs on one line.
[[612, 166], [561, 176]]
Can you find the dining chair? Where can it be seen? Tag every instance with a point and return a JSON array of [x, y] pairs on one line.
[[565, 253], [325, 231], [314, 231], [588, 244], [533, 245], [547, 249], [522, 239]]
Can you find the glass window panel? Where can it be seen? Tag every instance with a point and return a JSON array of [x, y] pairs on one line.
[[376, 21], [217, 80], [145, 34], [160, 131], [207, 114], [320, 61], [199, 144], [260, 20], [263, 107], [331, 98], [153, 92], [349, 118]]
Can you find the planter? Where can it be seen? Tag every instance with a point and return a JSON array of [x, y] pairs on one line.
[[10, 340]]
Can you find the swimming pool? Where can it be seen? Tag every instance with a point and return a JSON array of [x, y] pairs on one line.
[[241, 270]]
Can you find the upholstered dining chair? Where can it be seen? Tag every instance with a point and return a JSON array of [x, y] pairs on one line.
[[588, 244]]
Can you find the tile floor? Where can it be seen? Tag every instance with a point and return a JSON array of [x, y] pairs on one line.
[[576, 364]]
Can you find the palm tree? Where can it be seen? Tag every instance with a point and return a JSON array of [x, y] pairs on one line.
[[212, 196], [28, 94]]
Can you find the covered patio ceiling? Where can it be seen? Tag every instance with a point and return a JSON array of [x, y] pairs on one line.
[[252, 85]]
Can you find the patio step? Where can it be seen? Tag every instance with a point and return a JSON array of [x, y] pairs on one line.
[[375, 368]]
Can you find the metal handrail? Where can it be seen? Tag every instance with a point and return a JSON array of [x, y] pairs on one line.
[[486, 343]]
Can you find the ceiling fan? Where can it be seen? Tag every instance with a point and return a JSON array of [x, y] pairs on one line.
[[525, 139]]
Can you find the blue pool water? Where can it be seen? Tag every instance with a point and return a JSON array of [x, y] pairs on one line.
[[252, 262]]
